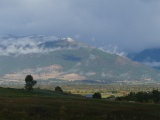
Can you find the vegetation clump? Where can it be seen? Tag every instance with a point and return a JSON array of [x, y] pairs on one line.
[[29, 82], [142, 96], [97, 95], [58, 89]]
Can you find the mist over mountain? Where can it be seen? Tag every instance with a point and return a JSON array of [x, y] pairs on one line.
[[51, 58], [113, 49], [24, 45]]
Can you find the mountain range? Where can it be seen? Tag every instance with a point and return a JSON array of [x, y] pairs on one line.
[[150, 57], [50, 58]]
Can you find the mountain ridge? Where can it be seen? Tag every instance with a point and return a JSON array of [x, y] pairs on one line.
[[148, 57], [69, 60]]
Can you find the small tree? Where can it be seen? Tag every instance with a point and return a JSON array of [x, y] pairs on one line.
[[97, 95], [58, 89], [29, 82]]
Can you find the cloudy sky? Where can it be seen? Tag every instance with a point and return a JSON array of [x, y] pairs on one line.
[[129, 24]]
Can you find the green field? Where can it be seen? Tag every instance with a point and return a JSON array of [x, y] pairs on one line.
[[19, 104]]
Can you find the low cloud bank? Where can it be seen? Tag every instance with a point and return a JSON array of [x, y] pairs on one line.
[[24, 45]]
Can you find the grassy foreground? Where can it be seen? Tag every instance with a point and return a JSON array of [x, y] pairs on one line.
[[18, 104]]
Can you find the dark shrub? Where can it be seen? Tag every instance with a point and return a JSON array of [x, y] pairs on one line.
[[97, 95], [58, 89]]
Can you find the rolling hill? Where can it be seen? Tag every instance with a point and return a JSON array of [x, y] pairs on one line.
[[19, 104]]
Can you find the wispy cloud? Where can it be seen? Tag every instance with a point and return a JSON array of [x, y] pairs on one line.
[[24, 45], [113, 49]]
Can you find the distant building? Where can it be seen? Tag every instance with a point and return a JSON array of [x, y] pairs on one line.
[[89, 96]]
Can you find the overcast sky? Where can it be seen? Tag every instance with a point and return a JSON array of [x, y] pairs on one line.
[[129, 24]]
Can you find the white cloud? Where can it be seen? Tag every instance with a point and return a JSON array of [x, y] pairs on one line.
[[113, 49], [24, 45]]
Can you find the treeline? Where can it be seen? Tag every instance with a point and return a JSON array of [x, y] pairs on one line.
[[153, 96]]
